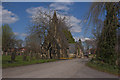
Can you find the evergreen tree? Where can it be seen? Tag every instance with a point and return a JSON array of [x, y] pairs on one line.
[[107, 41], [69, 36]]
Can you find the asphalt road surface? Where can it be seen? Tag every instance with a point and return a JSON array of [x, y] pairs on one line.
[[74, 68]]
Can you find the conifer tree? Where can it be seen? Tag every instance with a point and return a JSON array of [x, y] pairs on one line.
[[107, 41]]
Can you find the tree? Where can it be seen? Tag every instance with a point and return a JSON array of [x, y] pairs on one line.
[[32, 45], [107, 39], [49, 31], [69, 36], [0, 39], [19, 43], [108, 36], [37, 32], [90, 43], [56, 40], [8, 38], [8, 41], [118, 49]]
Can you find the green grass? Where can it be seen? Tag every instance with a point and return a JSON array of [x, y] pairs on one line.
[[20, 62], [104, 67]]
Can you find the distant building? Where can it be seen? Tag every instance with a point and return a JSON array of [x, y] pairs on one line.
[[72, 50], [92, 51], [75, 51]]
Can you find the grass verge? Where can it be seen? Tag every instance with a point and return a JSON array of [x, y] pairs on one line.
[[104, 67], [20, 62]]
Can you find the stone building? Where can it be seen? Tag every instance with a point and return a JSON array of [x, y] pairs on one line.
[[75, 51], [54, 43]]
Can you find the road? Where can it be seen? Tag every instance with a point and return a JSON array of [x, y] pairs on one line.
[[74, 68]]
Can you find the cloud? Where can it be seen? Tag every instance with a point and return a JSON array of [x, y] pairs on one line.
[[35, 13], [20, 34], [16, 33], [7, 16], [76, 38], [35, 10], [83, 39], [75, 23], [60, 6], [23, 34]]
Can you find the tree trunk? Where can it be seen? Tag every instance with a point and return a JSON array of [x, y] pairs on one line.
[[13, 56]]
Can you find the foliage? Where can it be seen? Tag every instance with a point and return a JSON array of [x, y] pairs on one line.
[[32, 43], [8, 37], [91, 43], [98, 65], [107, 41], [56, 39], [106, 37], [46, 35], [69, 36], [19, 43]]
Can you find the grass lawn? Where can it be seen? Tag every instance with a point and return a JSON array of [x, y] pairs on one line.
[[20, 62], [104, 67]]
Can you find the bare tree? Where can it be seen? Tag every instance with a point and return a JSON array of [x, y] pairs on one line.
[[48, 29], [33, 46]]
